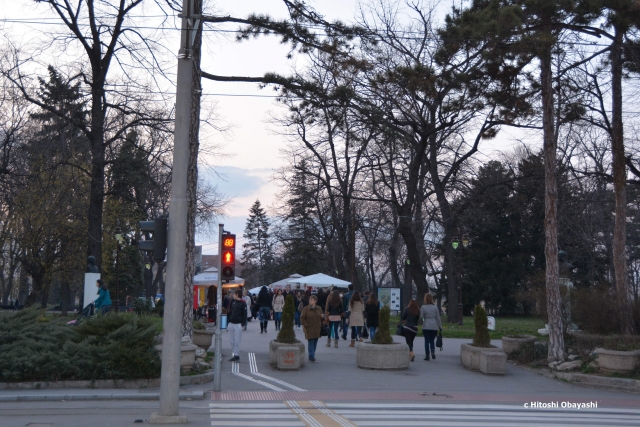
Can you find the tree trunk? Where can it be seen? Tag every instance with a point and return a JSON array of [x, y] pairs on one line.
[[554, 312], [192, 185], [64, 298], [619, 189]]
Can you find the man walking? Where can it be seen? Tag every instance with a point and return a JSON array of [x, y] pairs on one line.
[[347, 313], [237, 320]]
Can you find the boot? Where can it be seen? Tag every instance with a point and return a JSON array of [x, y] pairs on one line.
[[412, 356], [433, 354], [427, 356], [261, 327], [335, 342], [353, 343], [329, 341], [361, 340]]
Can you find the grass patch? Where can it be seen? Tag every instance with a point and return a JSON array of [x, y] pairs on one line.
[[516, 325]]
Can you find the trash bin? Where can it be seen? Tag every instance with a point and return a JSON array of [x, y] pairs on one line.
[[223, 321]]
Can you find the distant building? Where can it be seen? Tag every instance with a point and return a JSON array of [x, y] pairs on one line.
[[209, 261]]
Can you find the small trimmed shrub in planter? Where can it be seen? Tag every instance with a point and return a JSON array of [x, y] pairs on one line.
[[481, 337], [383, 335], [382, 352], [287, 336]]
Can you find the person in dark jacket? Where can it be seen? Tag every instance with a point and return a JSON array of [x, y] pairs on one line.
[[345, 309], [322, 298], [237, 320], [264, 302], [333, 315], [371, 312], [410, 319]]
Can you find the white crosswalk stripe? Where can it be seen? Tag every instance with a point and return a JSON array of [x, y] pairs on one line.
[[318, 414]]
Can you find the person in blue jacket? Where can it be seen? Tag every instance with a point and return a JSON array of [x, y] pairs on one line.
[[103, 302]]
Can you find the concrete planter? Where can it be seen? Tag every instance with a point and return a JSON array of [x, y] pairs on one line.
[[203, 338], [618, 361], [273, 352], [187, 356], [514, 343], [488, 360], [382, 356]]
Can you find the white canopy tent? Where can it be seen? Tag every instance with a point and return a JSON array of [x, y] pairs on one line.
[[319, 280], [280, 284]]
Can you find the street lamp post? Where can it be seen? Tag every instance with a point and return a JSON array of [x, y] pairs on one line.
[[119, 240], [465, 244]]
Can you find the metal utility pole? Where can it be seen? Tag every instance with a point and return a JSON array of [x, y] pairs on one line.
[[178, 207], [217, 380]]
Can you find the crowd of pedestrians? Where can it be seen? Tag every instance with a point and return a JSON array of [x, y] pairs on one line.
[[335, 312]]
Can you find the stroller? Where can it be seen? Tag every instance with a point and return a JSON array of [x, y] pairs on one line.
[[87, 312]]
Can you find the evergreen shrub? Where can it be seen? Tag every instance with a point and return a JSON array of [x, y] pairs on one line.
[[116, 346], [286, 334], [481, 337], [383, 335]]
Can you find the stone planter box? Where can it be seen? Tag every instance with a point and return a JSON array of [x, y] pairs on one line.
[[382, 356], [187, 356], [618, 361], [203, 338], [273, 352], [513, 343], [488, 360]]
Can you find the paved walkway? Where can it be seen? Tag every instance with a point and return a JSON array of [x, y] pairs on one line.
[[335, 392]]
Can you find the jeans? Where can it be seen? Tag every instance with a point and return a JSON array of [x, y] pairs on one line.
[[312, 344], [429, 340], [356, 332], [344, 325], [297, 318], [333, 328], [277, 316], [105, 309], [372, 332], [235, 335], [264, 314]]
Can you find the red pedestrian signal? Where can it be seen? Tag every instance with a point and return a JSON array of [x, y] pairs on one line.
[[228, 260]]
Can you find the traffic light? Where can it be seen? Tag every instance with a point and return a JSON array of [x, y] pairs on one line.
[[228, 257], [157, 246]]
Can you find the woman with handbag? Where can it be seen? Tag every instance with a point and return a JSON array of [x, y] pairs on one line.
[[356, 318], [333, 315], [410, 318], [431, 324]]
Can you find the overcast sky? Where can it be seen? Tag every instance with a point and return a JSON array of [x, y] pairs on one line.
[[251, 147]]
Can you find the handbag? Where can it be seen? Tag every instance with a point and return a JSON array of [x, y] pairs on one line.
[[324, 330], [300, 307], [334, 318], [439, 340], [365, 332], [400, 329]]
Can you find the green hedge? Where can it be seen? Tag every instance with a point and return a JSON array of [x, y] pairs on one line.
[[116, 346]]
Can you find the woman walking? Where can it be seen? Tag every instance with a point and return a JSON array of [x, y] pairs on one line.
[[356, 318], [278, 306], [264, 302], [311, 319], [410, 317], [371, 311], [103, 302], [333, 315], [431, 324]]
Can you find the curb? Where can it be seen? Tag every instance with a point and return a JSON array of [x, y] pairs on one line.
[[102, 384], [591, 381], [191, 395]]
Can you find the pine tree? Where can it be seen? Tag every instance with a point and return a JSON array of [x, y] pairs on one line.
[[481, 337], [257, 253], [286, 334]]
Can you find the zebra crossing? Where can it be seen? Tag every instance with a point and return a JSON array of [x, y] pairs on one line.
[[358, 414]]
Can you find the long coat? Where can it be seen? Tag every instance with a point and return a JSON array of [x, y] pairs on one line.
[[311, 319], [356, 318]]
